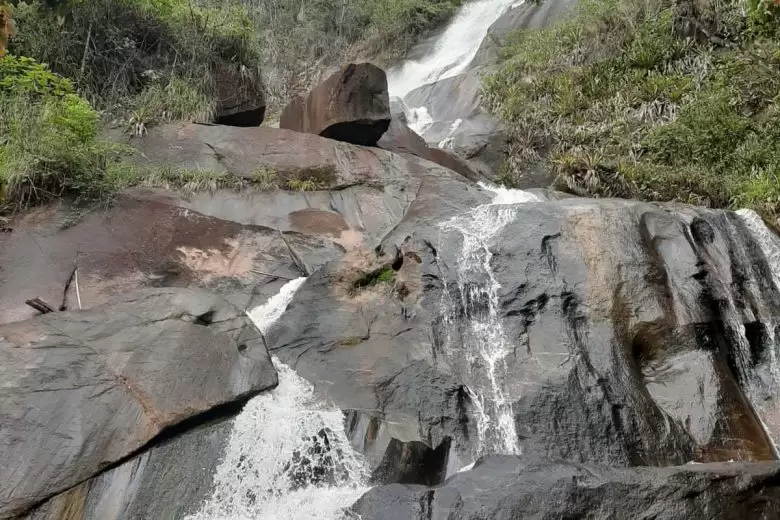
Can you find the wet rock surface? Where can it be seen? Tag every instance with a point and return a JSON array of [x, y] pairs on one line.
[[501, 488], [83, 390], [351, 106], [637, 335], [166, 481]]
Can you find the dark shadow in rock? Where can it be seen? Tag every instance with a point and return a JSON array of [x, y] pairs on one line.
[[413, 463]]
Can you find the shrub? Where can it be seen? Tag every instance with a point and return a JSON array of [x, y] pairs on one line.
[[122, 53], [48, 134]]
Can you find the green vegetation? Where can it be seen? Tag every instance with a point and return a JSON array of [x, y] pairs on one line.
[[650, 99], [308, 179], [48, 135], [375, 277], [74, 65]]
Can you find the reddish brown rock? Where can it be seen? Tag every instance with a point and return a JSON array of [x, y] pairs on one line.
[[240, 96], [351, 106]]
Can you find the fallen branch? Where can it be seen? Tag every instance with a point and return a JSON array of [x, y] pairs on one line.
[[257, 271], [40, 305]]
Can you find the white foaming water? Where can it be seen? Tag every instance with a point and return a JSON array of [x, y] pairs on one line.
[[769, 243], [447, 141], [770, 246], [480, 358], [418, 119], [287, 457], [454, 50]]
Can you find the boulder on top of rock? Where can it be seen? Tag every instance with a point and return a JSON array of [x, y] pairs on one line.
[[506, 487], [352, 106], [240, 96], [83, 390]]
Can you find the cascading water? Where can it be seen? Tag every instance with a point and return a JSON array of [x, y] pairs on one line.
[[473, 312], [770, 246], [287, 457], [453, 51]]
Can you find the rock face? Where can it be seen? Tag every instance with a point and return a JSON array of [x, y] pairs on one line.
[[240, 96], [351, 106], [607, 311], [166, 481], [83, 390], [503, 488], [400, 138], [243, 245]]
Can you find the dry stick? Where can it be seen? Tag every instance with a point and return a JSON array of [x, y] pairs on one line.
[[86, 51], [64, 306], [76, 281], [257, 271], [40, 305]]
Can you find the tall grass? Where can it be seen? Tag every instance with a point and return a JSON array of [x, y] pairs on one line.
[[649, 99]]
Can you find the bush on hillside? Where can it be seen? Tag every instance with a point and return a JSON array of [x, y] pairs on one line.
[[649, 99], [48, 134], [116, 50]]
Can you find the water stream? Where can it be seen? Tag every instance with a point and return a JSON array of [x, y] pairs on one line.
[[475, 344], [287, 457], [453, 50]]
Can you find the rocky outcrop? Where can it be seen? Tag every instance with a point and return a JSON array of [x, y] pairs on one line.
[[83, 390], [240, 96], [400, 138], [617, 316], [501, 488], [351, 106], [243, 245]]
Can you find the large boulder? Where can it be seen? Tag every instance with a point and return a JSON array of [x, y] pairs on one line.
[[240, 96], [504, 488], [351, 106], [149, 238], [611, 318], [83, 390], [168, 480]]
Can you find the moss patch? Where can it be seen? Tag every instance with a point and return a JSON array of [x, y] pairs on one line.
[[375, 277]]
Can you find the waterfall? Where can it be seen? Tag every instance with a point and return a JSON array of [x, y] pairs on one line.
[[453, 50], [473, 312], [288, 457], [766, 409]]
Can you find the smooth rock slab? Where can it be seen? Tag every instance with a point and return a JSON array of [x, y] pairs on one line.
[[504, 488], [83, 390]]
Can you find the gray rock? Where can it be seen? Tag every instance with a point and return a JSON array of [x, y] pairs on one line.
[[83, 390], [619, 317], [504, 488], [167, 481]]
